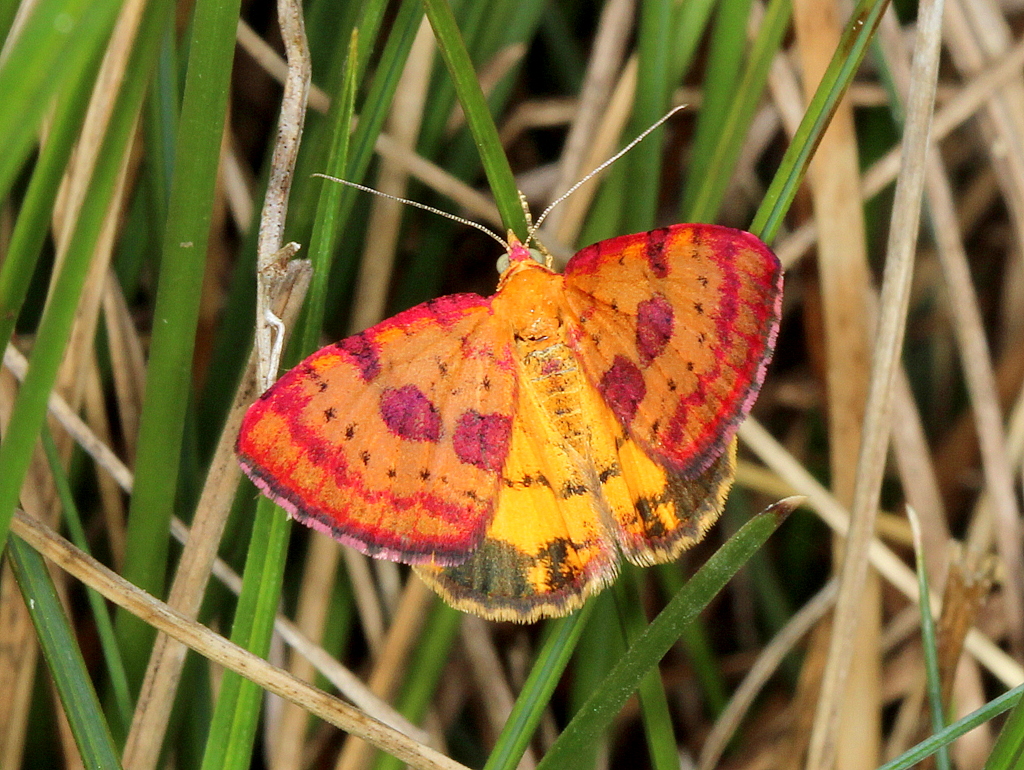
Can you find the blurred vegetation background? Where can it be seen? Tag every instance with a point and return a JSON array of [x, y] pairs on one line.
[[139, 147]]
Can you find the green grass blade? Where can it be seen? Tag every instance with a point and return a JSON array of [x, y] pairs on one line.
[[55, 325], [101, 616], [478, 114], [649, 104], [837, 78], [236, 715], [927, 747], [661, 739], [1008, 753], [594, 656], [63, 658], [561, 638], [60, 39], [692, 19], [695, 640], [378, 102], [723, 157], [930, 645], [725, 59], [643, 655], [327, 225], [176, 313], [36, 210]]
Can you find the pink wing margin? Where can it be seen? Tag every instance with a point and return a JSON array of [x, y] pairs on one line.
[[392, 440], [676, 327]]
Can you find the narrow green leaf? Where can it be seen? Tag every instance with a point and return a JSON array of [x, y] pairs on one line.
[[696, 642], [927, 747], [689, 25], [930, 645], [478, 115], [34, 216], [1008, 753], [176, 313], [561, 638], [595, 716], [837, 78], [726, 152], [63, 658], [101, 616], [327, 225], [60, 39], [378, 102], [661, 739], [236, 716], [649, 104], [55, 325], [725, 59]]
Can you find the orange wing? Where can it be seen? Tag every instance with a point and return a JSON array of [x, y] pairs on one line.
[[558, 527], [393, 440], [675, 330]]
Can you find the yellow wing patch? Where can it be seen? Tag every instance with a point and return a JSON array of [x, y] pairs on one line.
[[574, 497]]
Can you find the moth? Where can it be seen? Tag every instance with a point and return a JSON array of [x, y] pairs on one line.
[[514, 448]]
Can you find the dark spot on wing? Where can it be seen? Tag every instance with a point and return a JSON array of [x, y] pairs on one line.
[[623, 388], [571, 489], [482, 439], [655, 321], [363, 353], [655, 252], [409, 414]]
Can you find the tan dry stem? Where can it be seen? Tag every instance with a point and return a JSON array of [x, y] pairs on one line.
[[270, 248], [834, 177]]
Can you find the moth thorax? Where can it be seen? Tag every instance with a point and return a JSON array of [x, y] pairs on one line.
[[530, 298]]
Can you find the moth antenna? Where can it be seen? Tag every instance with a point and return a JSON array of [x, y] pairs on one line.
[[643, 135], [418, 205]]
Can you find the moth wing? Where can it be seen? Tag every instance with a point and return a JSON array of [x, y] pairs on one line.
[[675, 329], [548, 546], [392, 440]]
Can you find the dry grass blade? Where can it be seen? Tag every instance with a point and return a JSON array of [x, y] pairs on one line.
[[270, 251], [338, 675], [371, 297], [889, 565], [834, 178], [953, 113], [561, 81], [391, 663], [609, 49], [895, 299]]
